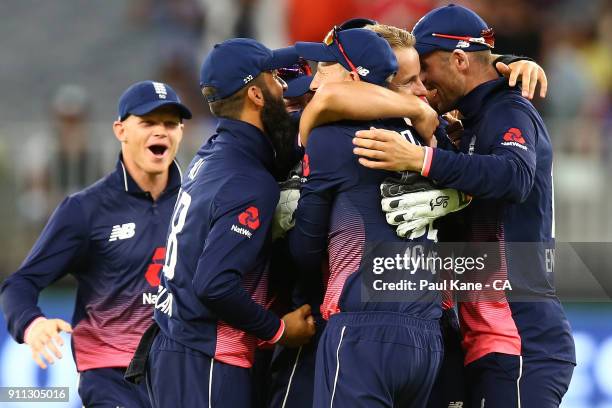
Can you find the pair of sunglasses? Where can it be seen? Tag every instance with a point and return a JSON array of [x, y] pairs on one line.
[[331, 38], [487, 38], [295, 71]]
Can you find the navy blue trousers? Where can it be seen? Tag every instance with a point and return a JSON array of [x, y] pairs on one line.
[[377, 359]]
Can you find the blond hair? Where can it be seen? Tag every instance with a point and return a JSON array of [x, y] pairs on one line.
[[396, 37]]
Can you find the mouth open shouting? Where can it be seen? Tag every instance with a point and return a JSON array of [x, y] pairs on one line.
[[158, 150]]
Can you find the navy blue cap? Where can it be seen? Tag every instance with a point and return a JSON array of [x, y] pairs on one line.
[[371, 54], [452, 27], [357, 22], [298, 86], [234, 63], [146, 96]]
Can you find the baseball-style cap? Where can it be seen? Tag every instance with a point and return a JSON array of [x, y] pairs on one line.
[[357, 22], [234, 63], [146, 96], [298, 86], [357, 49], [452, 27]]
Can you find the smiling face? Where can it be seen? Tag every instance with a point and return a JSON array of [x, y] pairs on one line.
[[150, 142], [442, 80], [407, 79]]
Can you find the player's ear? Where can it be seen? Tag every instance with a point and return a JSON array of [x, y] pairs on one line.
[[354, 76], [119, 131], [255, 95], [460, 60]]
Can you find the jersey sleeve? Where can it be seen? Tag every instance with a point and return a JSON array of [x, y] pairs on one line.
[[329, 167], [236, 242], [507, 172], [62, 243]]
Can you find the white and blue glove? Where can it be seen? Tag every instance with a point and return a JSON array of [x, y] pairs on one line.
[[287, 204], [412, 202]]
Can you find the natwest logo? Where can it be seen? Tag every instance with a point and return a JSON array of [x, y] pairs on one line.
[[149, 298], [514, 134], [242, 231], [250, 218], [155, 267], [514, 137]]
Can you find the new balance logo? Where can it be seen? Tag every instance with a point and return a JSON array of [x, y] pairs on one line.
[[455, 404], [122, 231], [362, 71], [160, 90], [463, 44], [242, 231]]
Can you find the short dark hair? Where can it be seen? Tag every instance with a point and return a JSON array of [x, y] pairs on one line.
[[231, 107], [483, 57]]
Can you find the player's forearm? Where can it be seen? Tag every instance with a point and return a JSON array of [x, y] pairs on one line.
[[19, 303], [357, 101], [483, 176], [233, 305]]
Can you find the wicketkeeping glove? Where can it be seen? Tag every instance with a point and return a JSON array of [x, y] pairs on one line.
[[287, 203], [412, 202]]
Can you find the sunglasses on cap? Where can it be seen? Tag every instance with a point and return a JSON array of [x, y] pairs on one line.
[[296, 70], [487, 38], [332, 37]]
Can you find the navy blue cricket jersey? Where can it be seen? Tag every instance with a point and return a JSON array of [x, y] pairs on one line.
[[505, 162], [111, 238], [213, 295], [339, 216]]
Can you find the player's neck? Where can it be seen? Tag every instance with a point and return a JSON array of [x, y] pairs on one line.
[[252, 117], [480, 76], [153, 183]]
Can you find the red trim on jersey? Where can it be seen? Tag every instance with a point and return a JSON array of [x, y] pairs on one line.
[[279, 333]]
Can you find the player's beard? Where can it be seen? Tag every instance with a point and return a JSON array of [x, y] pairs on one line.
[[282, 132]]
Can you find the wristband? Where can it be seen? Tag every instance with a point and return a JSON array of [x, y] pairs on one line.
[[427, 161]]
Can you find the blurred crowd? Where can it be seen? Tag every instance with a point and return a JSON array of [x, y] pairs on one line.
[[72, 146]]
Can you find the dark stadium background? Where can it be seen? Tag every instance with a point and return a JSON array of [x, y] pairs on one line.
[[64, 63]]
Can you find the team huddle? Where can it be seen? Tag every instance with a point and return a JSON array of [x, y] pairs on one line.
[[240, 282]]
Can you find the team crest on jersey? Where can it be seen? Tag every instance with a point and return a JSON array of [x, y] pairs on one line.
[[514, 137], [122, 231]]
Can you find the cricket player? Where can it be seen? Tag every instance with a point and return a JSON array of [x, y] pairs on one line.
[[212, 301], [518, 343], [367, 104], [111, 238], [371, 353]]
